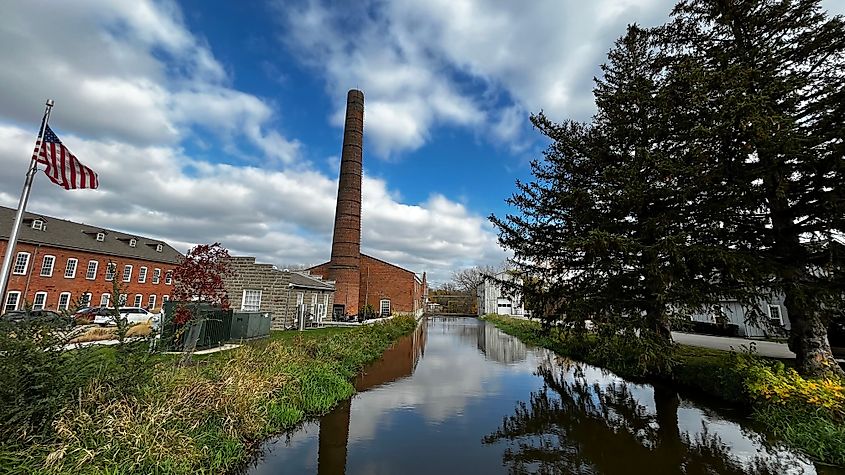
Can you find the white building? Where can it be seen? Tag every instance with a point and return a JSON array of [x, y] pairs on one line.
[[775, 321], [493, 299]]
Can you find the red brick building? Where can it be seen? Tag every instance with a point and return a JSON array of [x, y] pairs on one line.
[[58, 264], [362, 280]]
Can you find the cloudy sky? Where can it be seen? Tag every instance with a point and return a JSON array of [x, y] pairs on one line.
[[221, 121]]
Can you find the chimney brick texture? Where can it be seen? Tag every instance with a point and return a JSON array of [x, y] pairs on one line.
[[345, 264]]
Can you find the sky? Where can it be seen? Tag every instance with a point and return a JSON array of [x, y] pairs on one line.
[[217, 121]]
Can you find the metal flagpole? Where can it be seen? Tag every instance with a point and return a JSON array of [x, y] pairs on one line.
[[13, 237]]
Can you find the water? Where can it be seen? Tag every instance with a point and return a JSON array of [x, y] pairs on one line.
[[459, 396]]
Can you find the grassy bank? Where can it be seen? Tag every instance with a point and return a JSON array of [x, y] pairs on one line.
[[809, 415], [206, 418]]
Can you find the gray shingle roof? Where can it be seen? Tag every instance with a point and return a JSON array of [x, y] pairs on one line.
[[306, 281], [83, 237]]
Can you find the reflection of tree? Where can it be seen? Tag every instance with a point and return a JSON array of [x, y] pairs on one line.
[[576, 427]]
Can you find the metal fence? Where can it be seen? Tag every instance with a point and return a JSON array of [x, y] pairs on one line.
[[215, 326]]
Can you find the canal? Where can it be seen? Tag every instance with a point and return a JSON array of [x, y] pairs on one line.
[[459, 396]]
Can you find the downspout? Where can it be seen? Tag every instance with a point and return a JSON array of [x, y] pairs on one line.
[[29, 274]]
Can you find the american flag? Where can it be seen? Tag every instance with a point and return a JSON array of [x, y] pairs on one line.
[[62, 167]]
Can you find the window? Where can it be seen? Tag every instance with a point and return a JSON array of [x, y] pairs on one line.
[[21, 263], [138, 299], [91, 273], [168, 277], [299, 298], [121, 300], [127, 273], [12, 301], [38, 224], [47, 266], [384, 306], [39, 301], [156, 275], [64, 301], [133, 242], [151, 302], [321, 308], [105, 299], [111, 268], [85, 301], [142, 275], [165, 298], [159, 247], [251, 300], [775, 316], [101, 237], [70, 268]]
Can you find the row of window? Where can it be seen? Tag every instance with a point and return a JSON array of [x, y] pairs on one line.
[[720, 314], [251, 302], [49, 262], [39, 300]]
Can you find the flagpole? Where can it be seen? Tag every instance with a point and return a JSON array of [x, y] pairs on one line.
[[27, 186]]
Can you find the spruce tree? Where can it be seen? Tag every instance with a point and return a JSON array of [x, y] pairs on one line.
[[766, 91], [605, 224]]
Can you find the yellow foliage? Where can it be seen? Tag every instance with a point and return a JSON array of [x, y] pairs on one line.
[[780, 385]]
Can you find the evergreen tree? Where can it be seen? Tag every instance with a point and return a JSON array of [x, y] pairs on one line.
[[765, 89], [605, 224]]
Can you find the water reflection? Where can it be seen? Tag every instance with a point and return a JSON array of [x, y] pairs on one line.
[[578, 424], [499, 346], [435, 404]]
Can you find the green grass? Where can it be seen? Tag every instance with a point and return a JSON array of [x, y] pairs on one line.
[[206, 418], [713, 372]]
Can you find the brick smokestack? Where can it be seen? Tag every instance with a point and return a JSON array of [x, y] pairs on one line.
[[345, 264]]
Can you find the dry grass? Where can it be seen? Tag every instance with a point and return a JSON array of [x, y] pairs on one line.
[[96, 334], [141, 329]]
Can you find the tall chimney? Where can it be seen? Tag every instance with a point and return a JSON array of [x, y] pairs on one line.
[[344, 267]]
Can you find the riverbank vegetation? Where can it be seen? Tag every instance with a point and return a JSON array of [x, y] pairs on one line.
[[808, 414], [122, 410]]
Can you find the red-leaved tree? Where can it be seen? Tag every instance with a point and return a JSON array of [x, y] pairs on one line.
[[199, 277]]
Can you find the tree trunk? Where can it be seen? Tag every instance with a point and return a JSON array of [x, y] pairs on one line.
[[808, 340]]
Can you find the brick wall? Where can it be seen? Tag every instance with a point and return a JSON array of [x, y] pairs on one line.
[[54, 285]]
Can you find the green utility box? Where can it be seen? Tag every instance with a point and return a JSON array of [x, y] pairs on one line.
[[215, 330], [248, 325]]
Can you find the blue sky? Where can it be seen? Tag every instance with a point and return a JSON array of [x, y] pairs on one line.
[[210, 120]]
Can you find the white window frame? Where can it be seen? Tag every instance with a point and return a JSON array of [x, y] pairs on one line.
[[165, 298], [381, 307], [156, 275], [45, 270], [105, 299], [85, 301], [779, 312], [91, 273], [139, 300], [21, 268], [63, 305], [159, 247], [17, 303], [251, 300], [142, 275], [133, 242], [101, 237], [111, 270], [71, 268], [38, 224], [121, 300], [43, 304], [168, 277], [127, 273], [151, 302]]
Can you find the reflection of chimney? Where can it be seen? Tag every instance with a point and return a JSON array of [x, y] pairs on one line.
[[333, 440], [344, 267]]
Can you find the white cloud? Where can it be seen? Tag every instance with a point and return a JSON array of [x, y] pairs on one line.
[[411, 58]]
